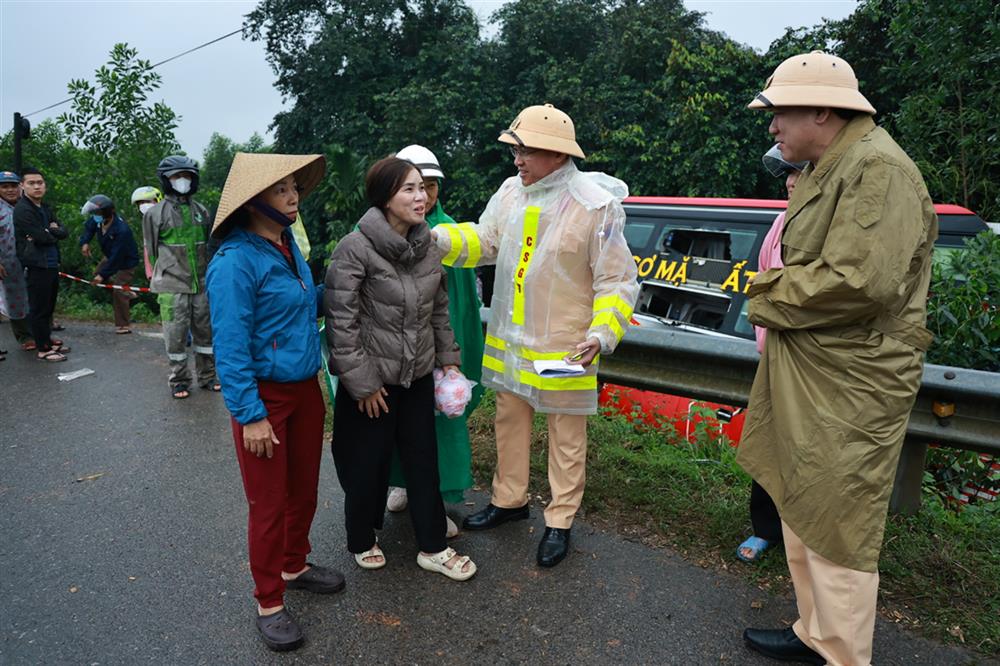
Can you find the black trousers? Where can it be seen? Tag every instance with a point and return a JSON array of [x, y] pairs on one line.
[[362, 450], [764, 514], [43, 287]]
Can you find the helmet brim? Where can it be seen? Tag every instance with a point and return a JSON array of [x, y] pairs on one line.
[[543, 142], [834, 97]]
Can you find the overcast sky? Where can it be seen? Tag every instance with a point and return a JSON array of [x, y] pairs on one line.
[[227, 87]]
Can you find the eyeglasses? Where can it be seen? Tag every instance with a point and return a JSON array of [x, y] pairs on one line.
[[518, 151]]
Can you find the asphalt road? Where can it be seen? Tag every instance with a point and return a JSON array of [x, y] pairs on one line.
[[123, 541]]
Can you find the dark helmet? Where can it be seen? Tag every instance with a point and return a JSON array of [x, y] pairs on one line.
[[98, 205], [174, 164]]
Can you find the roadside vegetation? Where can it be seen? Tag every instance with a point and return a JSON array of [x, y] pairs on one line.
[[940, 569]]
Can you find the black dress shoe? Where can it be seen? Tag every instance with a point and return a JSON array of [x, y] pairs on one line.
[[553, 547], [781, 644], [493, 516]]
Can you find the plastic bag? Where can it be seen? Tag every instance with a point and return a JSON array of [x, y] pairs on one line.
[[452, 392]]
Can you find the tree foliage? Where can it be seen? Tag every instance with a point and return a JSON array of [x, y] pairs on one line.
[[217, 160], [109, 142], [659, 100]]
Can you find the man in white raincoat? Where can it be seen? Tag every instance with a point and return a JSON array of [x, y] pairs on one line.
[[565, 289]]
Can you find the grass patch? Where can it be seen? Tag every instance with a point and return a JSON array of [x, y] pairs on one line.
[[940, 571], [81, 302]]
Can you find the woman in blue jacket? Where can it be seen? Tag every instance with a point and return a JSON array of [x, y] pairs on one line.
[[267, 353], [121, 255]]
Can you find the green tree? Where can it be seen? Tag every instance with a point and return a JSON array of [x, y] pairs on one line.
[[121, 137], [217, 160], [926, 71], [947, 121]]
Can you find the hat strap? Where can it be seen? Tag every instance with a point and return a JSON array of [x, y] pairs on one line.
[[768, 103], [515, 136], [425, 165], [271, 213]]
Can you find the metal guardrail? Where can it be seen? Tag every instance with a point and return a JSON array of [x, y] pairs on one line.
[[722, 370]]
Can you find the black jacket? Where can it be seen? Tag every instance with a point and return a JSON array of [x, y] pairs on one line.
[[30, 222]]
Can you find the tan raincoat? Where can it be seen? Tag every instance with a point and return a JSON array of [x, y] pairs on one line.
[[564, 274], [844, 352]]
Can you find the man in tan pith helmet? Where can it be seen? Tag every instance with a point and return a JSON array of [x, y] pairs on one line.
[[843, 358], [565, 289]]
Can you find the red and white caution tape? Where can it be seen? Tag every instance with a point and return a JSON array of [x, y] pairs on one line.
[[120, 287]]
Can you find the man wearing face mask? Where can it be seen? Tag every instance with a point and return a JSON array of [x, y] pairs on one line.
[[144, 198], [121, 255], [175, 239]]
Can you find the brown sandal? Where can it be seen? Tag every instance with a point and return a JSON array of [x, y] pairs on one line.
[[52, 356]]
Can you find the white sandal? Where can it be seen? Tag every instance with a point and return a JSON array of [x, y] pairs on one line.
[[451, 529], [374, 551], [437, 562]]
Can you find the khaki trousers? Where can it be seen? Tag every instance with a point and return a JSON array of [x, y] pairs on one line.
[[567, 459], [836, 604]]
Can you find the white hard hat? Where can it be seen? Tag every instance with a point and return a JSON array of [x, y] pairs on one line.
[[423, 159]]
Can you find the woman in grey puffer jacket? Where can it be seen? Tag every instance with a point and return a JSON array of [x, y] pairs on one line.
[[387, 327]]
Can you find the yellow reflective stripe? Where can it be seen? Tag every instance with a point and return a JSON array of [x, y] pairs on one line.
[[493, 341], [471, 236], [529, 239], [529, 378], [456, 244], [544, 356], [528, 354], [616, 302], [494, 364], [608, 318], [558, 383]]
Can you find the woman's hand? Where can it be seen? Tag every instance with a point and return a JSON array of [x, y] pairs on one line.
[[259, 438], [373, 403], [585, 353]]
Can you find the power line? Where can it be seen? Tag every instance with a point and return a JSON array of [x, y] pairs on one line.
[[154, 66]]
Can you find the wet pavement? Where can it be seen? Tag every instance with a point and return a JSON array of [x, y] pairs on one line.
[[123, 527]]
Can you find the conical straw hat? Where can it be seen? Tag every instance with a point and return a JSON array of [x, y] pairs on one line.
[[252, 173]]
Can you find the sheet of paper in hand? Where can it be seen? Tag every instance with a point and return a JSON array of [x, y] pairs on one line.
[[558, 368]]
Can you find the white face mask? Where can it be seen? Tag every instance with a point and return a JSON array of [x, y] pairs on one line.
[[144, 207], [181, 185]]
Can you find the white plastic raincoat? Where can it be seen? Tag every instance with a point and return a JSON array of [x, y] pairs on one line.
[[564, 274]]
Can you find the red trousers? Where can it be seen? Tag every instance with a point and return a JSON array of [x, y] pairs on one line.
[[281, 490]]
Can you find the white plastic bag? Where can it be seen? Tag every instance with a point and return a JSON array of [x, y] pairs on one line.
[[452, 392]]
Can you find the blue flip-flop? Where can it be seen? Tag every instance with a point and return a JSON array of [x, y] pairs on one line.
[[756, 545]]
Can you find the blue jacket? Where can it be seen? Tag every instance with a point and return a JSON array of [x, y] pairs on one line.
[[118, 245], [263, 320]]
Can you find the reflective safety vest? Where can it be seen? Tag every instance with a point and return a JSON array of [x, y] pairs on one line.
[[564, 274]]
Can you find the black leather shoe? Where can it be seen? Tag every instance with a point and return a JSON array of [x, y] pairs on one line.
[[553, 547], [492, 516], [781, 644]]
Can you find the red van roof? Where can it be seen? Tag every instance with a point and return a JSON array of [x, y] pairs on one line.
[[942, 209]]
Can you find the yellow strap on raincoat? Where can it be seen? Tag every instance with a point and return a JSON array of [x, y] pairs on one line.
[[613, 302], [529, 378], [529, 241]]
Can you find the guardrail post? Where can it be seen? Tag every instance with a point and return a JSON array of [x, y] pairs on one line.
[[908, 486]]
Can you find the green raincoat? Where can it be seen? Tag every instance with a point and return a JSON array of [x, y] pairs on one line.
[[454, 452], [843, 357]]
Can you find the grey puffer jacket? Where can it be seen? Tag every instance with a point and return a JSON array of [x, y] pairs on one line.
[[386, 306]]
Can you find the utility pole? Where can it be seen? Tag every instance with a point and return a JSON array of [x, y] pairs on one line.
[[22, 130]]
